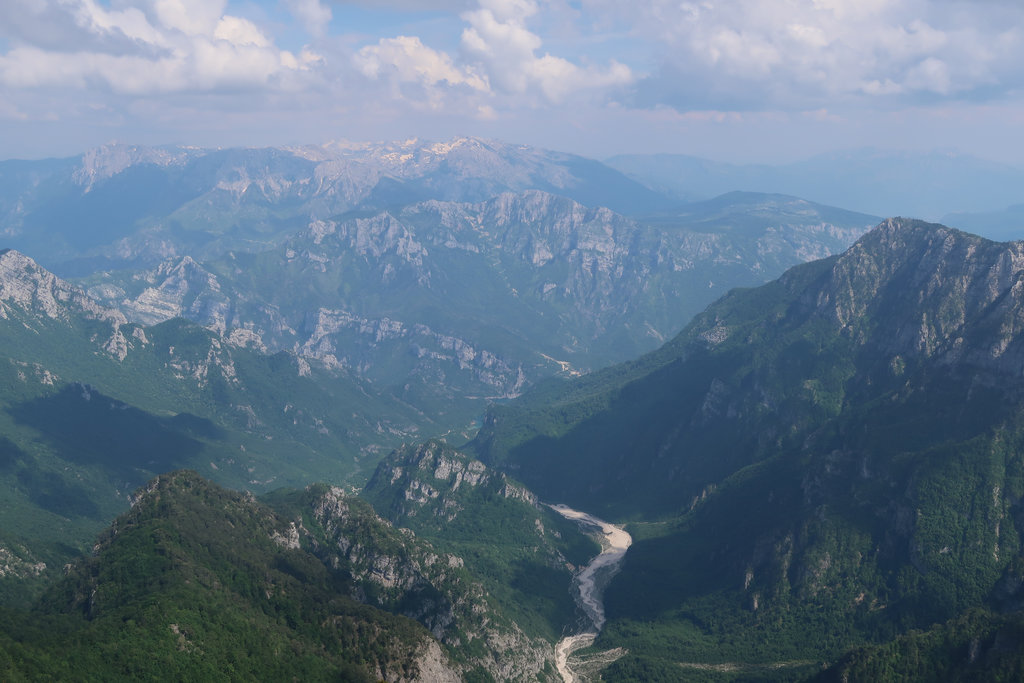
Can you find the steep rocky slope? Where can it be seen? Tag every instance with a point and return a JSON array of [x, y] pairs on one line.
[[395, 570], [25, 286], [910, 302]]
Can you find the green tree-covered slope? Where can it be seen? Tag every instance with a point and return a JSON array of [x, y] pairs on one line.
[[200, 582]]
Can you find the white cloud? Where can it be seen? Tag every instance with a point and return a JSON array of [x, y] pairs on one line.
[[549, 71], [209, 66], [796, 53], [131, 22], [407, 59], [164, 47], [313, 15], [499, 63], [194, 17], [930, 75], [410, 5], [240, 32], [498, 39], [509, 11]]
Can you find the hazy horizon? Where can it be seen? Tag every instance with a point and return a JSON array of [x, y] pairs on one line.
[[837, 153]]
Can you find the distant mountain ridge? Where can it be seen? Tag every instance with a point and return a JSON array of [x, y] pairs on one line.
[[482, 299], [124, 205], [458, 271], [1003, 224]]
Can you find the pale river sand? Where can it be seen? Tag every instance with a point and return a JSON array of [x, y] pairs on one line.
[[590, 583]]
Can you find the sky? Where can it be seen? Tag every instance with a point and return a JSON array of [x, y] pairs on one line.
[[766, 81]]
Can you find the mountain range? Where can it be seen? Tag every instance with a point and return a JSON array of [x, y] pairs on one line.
[[448, 273], [822, 477], [124, 205], [821, 473], [222, 366], [554, 286]]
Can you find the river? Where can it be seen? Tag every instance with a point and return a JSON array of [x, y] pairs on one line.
[[591, 583]]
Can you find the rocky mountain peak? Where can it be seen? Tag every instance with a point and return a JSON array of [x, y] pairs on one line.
[[175, 483], [431, 469], [178, 287], [433, 481], [109, 160], [29, 286], [920, 289]]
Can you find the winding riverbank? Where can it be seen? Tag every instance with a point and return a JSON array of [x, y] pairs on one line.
[[590, 584]]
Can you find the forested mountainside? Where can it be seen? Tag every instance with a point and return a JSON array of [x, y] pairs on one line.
[[197, 581], [831, 459]]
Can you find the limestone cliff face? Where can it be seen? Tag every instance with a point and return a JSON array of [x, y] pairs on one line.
[[24, 283], [19, 563], [912, 292], [179, 288], [33, 294], [517, 548], [105, 162]]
